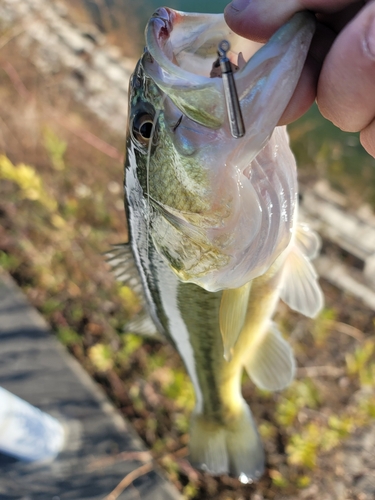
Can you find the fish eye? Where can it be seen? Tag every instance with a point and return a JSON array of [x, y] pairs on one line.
[[142, 128]]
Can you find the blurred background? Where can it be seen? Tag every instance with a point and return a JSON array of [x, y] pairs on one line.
[[64, 71]]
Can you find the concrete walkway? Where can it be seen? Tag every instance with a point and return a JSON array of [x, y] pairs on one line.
[[35, 367]]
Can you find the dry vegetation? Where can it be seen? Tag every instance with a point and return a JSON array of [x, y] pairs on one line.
[[61, 208], [120, 25]]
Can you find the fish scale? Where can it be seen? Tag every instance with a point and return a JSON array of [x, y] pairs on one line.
[[166, 186]]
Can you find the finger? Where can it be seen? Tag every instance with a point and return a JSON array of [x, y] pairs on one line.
[[346, 88], [259, 19], [367, 137], [338, 20]]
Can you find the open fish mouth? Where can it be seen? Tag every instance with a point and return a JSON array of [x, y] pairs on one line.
[[251, 182], [185, 45]]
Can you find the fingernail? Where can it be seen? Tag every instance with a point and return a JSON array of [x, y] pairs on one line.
[[370, 38], [239, 5]]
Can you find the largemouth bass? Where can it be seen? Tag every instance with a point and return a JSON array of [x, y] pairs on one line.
[[212, 219]]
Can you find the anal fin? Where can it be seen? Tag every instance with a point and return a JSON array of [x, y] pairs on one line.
[[272, 367]]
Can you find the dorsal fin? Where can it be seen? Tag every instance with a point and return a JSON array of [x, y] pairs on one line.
[[123, 265], [121, 260]]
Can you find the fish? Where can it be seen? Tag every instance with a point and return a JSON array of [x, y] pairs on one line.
[[214, 240]]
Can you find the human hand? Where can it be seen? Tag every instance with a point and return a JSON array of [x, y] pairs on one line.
[[340, 68]]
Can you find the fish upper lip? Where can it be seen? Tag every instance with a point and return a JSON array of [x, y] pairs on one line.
[[162, 24], [163, 13], [162, 19]]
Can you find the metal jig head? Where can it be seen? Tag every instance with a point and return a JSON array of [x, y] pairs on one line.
[[236, 123]]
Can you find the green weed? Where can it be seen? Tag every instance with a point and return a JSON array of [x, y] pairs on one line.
[[129, 298], [29, 182], [180, 390], [8, 262], [302, 448], [190, 491], [68, 337], [51, 305], [131, 343], [322, 325], [267, 430], [101, 356], [301, 394], [55, 147], [361, 363], [136, 398], [182, 422], [303, 481], [278, 479]]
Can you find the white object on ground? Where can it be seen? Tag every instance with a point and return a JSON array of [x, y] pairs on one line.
[[26, 432]]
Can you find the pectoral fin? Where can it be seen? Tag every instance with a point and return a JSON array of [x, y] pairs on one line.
[[308, 241], [272, 367], [301, 290], [233, 308]]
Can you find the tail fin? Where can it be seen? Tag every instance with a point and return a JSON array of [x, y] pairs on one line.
[[233, 448]]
